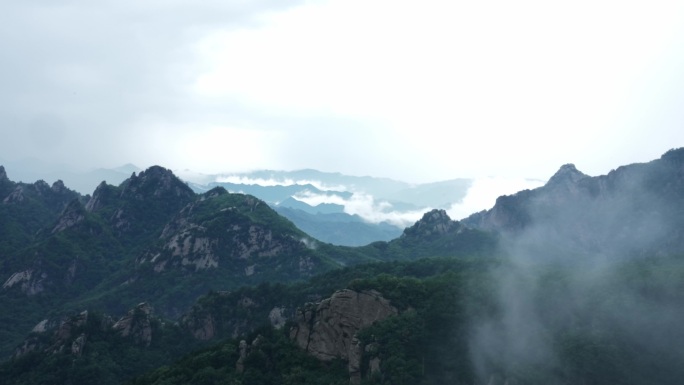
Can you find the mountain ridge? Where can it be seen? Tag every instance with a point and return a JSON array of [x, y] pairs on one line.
[[602, 210]]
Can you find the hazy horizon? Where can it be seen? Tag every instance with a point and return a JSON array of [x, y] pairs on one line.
[[413, 92]]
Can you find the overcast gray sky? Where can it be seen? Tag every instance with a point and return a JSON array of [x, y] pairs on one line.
[[417, 91]]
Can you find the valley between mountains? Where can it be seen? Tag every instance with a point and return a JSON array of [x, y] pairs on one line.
[[580, 281]]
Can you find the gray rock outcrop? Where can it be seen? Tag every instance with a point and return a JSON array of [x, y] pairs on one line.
[[327, 330], [73, 214], [136, 324]]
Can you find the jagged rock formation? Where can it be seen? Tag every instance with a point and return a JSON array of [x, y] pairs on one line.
[[155, 182], [68, 336], [435, 223], [245, 350], [136, 324], [103, 193], [327, 330], [142, 203]]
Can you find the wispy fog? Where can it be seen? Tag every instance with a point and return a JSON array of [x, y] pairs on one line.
[[591, 289], [586, 320]]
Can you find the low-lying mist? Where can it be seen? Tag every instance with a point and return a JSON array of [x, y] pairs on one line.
[[593, 321], [590, 291]]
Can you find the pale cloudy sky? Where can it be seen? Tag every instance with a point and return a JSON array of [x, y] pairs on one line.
[[417, 91]]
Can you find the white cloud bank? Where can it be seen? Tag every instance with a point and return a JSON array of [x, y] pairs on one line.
[[481, 195]]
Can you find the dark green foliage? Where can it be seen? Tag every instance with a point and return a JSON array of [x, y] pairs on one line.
[[424, 343], [275, 360], [27, 209], [445, 301], [106, 359]]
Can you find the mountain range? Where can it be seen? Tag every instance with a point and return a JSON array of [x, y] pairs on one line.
[[106, 287], [333, 207]]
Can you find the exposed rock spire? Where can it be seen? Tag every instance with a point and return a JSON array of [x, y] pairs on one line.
[[568, 173]]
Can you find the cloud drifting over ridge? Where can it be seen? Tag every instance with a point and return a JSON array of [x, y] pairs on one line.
[[481, 195], [365, 206]]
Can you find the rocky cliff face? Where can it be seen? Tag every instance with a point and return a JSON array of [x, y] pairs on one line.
[[327, 330], [220, 228], [136, 324]]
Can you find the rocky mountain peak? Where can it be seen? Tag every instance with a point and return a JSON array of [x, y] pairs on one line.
[[156, 181], [435, 222], [97, 200], [41, 187], [215, 192], [567, 174], [675, 155], [3, 174], [59, 187]]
